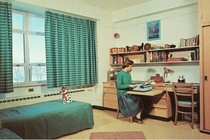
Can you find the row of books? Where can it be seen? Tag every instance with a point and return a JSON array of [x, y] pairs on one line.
[[159, 56], [194, 41], [164, 56], [195, 55], [119, 59]]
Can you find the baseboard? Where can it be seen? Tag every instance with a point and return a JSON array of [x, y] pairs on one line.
[[206, 132], [103, 108], [159, 118]]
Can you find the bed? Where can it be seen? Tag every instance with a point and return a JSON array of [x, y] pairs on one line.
[[48, 120], [7, 134]]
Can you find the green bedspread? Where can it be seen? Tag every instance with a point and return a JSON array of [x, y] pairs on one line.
[[48, 119]]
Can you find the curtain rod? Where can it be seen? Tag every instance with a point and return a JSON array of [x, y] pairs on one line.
[[34, 8], [71, 14]]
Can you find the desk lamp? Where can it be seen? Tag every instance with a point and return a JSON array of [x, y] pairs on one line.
[[166, 72]]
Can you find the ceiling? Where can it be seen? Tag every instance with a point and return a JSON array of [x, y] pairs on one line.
[[113, 4]]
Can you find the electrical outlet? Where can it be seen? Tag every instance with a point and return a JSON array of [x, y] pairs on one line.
[[31, 90]]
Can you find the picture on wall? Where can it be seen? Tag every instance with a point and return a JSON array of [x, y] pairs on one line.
[[153, 30]]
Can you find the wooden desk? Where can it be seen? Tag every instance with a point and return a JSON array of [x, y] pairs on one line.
[[147, 93], [161, 102], [170, 88]]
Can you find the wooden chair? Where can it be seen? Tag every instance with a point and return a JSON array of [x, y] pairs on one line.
[[118, 109], [118, 114], [184, 101]]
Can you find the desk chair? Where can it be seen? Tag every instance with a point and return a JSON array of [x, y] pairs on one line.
[[118, 109], [118, 114], [184, 101]]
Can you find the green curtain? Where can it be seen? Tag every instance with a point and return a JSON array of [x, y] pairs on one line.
[[70, 50], [6, 78]]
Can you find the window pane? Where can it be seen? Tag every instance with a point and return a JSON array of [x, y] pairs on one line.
[[18, 74], [36, 24], [39, 73], [37, 49], [17, 21], [18, 48]]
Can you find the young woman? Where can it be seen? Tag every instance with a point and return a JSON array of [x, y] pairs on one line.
[[130, 105]]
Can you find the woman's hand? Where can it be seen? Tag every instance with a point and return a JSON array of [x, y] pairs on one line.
[[133, 85]]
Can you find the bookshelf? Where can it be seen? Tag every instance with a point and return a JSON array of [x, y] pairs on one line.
[[165, 56]]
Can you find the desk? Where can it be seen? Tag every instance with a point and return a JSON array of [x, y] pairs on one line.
[[170, 88], [163, 99], [153, 92], [160, 102]]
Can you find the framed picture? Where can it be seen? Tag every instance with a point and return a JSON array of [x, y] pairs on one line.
[[153, 30]]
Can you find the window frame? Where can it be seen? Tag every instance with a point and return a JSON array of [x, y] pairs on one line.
[[26, 64]]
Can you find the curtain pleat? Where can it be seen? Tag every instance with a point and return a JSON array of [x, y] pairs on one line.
[[6, 67], [70, 50]]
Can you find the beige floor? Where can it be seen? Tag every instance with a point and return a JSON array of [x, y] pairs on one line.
[[153, 129]]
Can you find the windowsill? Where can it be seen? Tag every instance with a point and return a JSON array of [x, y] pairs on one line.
[[29, 85]]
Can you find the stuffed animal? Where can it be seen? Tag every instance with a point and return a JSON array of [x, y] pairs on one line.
[[65, 95]]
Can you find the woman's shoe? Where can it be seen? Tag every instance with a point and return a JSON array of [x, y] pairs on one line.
[[140, 121]]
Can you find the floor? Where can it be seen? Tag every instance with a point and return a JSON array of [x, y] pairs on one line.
[[105, 120]]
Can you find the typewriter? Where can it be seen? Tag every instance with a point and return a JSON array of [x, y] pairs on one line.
[[143, 87]]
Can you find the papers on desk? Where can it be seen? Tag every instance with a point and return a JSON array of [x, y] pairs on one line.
[[143, 87]]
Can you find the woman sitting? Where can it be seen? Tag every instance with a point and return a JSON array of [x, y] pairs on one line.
[[129, 105]]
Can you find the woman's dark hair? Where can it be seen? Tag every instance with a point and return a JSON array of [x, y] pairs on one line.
[[127, 63]]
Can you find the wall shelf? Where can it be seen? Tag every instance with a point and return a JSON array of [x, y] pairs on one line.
[[156, 57], [161, 63]]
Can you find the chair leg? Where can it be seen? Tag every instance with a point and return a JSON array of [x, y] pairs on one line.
[[118, 112], [193, 119], [176, 116]]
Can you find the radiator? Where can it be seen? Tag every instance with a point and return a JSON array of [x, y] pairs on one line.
[[31, 99]]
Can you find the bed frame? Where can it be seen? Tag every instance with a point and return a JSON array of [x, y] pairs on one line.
[[48, 120]]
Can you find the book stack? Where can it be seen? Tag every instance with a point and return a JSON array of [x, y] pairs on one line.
[[159, 56], [117, 59], [190, 42]]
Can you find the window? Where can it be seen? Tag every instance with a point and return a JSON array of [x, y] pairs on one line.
[[29, 61]]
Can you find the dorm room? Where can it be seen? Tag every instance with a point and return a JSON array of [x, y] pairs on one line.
[[82, 45]]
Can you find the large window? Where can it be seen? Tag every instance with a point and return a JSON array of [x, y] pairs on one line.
[[29, 61]]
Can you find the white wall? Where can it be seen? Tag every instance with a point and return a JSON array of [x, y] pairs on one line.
[[178, 22]]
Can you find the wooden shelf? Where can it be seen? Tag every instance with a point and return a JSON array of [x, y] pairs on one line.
[[162, 63], [129, 53], [142, 58], [176, 49]]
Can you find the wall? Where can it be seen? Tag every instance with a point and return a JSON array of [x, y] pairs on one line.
[[179, 19]]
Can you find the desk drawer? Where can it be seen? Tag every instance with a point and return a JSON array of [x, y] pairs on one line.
[[109, 84], [110, 104], [160, 112], [111, 97], [164, 96], [161, 88], [162, 103], [110, 90]]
